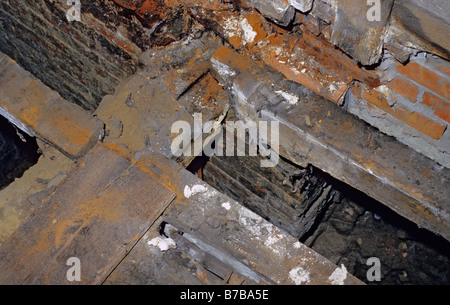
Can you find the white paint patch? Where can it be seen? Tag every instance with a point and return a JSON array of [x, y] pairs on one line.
[[231, 27], [262, 230], [199, 189], [226, 206], [195, 189], [297, 245], [247, 30], [291, 99], [338, 276], [163, 243], [221, 68], [299, 275], [332, 88]]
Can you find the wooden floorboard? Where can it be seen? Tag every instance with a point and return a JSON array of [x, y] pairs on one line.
[[96, 215]]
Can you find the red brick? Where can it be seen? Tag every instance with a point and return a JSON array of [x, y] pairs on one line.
[[405, 88], [441, 107], [426, 78], [416, 120]]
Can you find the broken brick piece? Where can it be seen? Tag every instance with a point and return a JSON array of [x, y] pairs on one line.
[[440, 106]]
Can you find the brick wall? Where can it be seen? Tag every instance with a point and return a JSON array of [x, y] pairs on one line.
[[83, 61], [412, 103]]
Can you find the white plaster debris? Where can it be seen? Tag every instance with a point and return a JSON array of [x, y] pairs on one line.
[[262, 230], [221, 68], [248, 33], [226, 206], [163, 243], [383, 89], [332, 88], [338, 276], [231, 27], [299, 275], [297, 245], [291, 99], [278, 50], [190, 191], [195, 189]]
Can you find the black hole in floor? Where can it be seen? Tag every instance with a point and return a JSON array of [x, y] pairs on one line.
[[16, 156]]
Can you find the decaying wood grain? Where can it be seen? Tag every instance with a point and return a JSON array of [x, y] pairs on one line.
[[97, 215], [358, 36]]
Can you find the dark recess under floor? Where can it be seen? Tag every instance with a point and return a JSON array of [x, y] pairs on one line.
[[18, 152]]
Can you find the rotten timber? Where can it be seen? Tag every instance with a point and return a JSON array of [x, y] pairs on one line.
[[97, 215], [318, 132], [358, 36], [39, 111], [221, 230]]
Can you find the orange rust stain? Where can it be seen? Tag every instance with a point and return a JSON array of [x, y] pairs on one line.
[[261, 189], [427, 173], [235, 41], [69, 133], [233, 59], [120, 43], [347, 126], [31, 115]]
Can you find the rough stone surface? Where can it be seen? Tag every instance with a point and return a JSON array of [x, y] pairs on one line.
[[356, 35]]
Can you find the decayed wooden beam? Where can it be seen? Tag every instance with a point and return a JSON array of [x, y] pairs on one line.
[[96, 215], [316, 131], [359, 28], [239, 238], [40, 111]]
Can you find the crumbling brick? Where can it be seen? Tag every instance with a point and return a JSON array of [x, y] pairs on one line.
[[416, 120], [405, 88], [440, 106], [426, 78]]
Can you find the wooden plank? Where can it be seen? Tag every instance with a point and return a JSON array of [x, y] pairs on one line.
[[251, 246], [38, 110], [358, 36], [318, 132], [422, 25], [97, 215]]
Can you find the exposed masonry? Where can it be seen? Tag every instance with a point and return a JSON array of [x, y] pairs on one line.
[[393, 75], [419, 121]]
